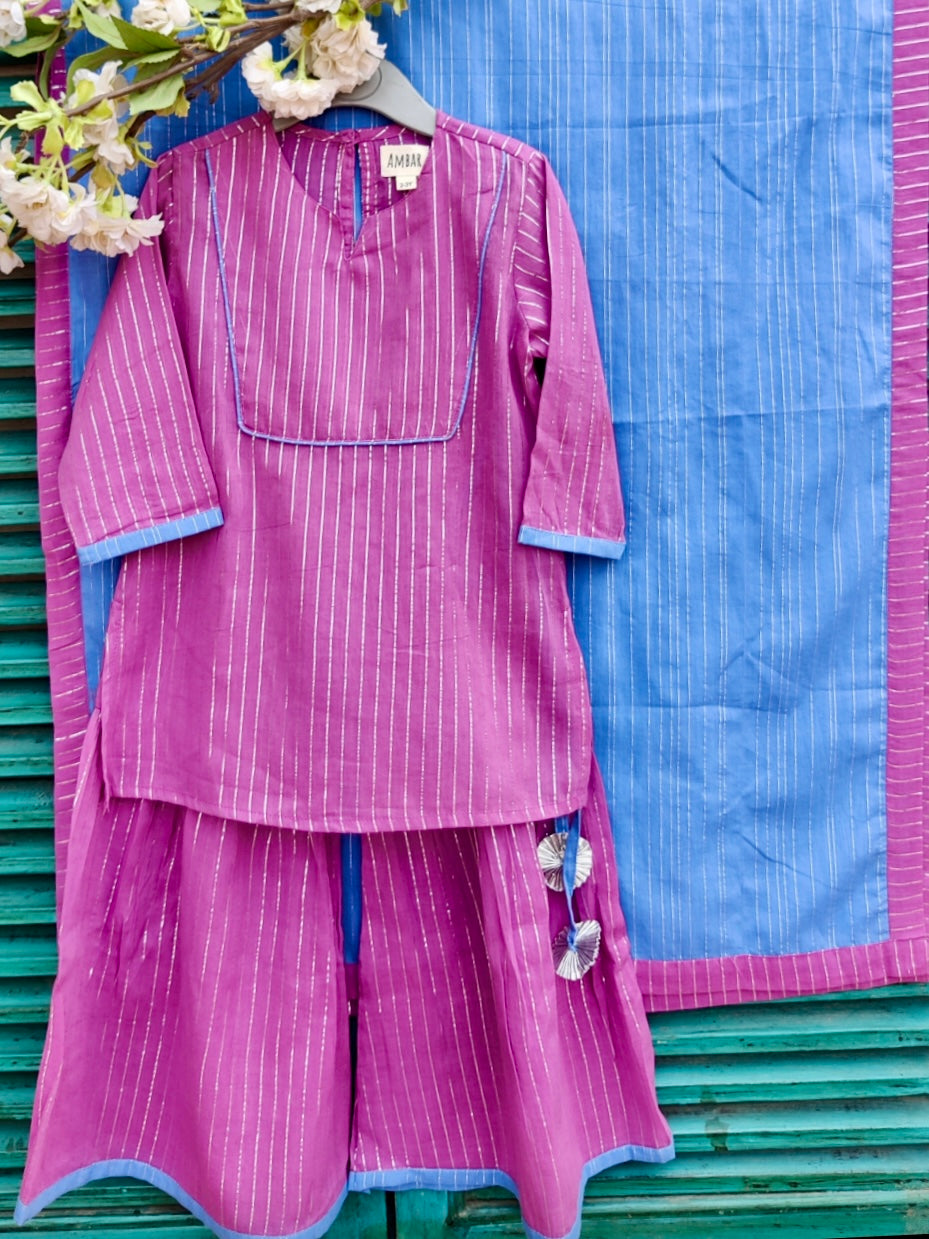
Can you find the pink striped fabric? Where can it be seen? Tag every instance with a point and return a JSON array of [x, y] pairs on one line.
[[200, 1037], [378, 637], [205, 953]]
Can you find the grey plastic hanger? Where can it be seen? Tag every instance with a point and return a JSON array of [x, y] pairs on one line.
[[394, 96], [391, 94]]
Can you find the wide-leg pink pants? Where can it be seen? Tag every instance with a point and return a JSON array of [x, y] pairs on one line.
[[199, 1035]]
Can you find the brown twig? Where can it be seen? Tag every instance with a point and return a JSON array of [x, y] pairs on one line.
[[267, 28]]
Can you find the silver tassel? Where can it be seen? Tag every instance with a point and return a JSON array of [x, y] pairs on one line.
[[551, 858], [571, 962]]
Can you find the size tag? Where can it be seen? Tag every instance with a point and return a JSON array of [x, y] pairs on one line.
[[404, 163]]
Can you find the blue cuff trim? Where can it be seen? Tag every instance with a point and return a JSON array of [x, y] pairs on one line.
[[138, 539], [120, 1167], [466, 1180], [605, 548]]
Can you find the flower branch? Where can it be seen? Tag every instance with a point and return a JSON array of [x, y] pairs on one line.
[[171, 51]]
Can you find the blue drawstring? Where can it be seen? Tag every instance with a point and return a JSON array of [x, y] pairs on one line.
[[351, 897], [570, 872]]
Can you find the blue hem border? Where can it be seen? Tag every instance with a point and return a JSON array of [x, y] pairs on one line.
[[120, 1167], [138, 539], [358, 1181], [604, 548], [463, 1180]]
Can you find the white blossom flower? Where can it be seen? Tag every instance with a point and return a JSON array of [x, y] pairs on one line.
[[317, 6], [294, 37], [103, 133], [49, 214], [12, 22], [105, 8], [308, 15], [109, 78], [7, 153], [112, 233], [288, 97], [348, 57], [9, 259], [115, 154], [165, 16]]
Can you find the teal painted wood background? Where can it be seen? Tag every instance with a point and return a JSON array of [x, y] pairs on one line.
[[808, 1117]]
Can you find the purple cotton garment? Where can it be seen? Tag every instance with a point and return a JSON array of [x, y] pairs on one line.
[[369, 630], [199, 1035]]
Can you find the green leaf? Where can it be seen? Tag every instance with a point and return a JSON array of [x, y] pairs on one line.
[[53, 140], [35, 43], [46, 63], [27, 121], [144, 40], [154, 58], [82, 160], [103, 28], [157, 96], [217, 38], [74, 133], [28, 93], [232, 13], [41, 25]]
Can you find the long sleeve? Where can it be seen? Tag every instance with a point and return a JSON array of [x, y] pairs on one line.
[[573, 500], [134, 471]]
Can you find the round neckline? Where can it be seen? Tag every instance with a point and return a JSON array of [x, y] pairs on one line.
[[342, 137]]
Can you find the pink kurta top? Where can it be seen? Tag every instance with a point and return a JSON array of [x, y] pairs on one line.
[[370, 629]]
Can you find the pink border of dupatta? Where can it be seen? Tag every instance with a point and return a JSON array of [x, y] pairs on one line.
[[67, 670]]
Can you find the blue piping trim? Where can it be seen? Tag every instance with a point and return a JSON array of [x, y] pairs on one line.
[[138, 539], [257, 434], [150, 1174], [464, 1180], [603, 547], [227, 304], [351, 897]]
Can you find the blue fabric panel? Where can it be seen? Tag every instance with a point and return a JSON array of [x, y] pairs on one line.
[[729, 169], [98, 582]]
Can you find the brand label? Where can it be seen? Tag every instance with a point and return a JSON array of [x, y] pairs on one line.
[[404, 163]]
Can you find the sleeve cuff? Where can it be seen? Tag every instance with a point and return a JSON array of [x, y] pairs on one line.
[[605, 548], [138, 539]]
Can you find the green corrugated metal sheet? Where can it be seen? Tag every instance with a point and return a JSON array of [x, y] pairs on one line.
[[807, 1117]]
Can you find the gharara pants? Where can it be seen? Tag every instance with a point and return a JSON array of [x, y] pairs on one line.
[[199, 1035]]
